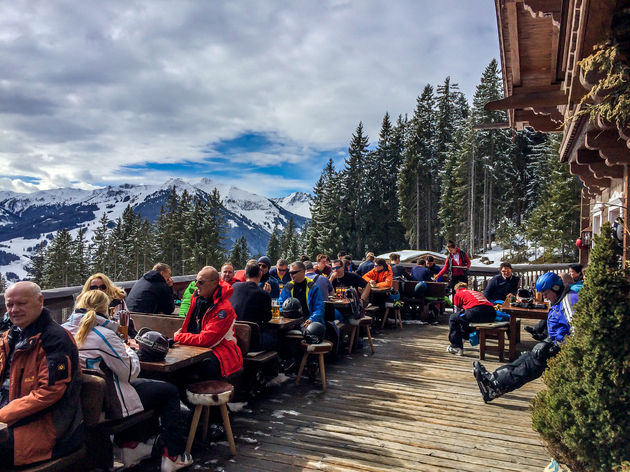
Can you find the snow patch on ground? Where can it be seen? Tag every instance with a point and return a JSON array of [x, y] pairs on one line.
[[281, 413], [277, 380], [237, 406]]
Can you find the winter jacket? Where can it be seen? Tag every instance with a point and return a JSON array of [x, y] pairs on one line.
[[313, 298], [44, 410], [251, 303], [383, 278], [464, 260], [275, 286], [466, 299], [560, 315], [421, 273], [365, 267], [217, 329], [103, 346], [399, 271], [151, 294], [499, 287], [185, 305], [325, 287]]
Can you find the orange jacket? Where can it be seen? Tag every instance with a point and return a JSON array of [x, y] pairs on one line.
[[383, 278], [44, 386]]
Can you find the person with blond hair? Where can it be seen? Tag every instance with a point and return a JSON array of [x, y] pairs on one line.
[[102, 349]]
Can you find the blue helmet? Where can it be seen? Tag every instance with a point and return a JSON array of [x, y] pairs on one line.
[[549, 281]]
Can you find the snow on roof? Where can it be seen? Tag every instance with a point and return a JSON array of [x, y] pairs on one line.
[[408, 255]]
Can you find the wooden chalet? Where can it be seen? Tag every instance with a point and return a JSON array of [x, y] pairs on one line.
[[541, 43]]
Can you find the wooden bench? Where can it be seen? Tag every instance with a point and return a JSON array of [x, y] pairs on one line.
[[496, 331]]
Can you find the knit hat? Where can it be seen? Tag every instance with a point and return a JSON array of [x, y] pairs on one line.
[[264, 260]]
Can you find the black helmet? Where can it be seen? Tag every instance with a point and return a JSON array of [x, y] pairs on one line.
[[292, 308], [524, 295], [153, 345], [314, 333]]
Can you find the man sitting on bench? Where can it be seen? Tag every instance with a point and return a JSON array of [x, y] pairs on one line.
[[39, 382], [532, 363], [472, 307]]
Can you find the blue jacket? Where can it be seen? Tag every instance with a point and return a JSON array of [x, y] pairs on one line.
[[275, 287], [421, 274], [560, 315], [313, 297]]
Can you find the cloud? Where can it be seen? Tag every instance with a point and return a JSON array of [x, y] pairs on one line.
[[102, 91]]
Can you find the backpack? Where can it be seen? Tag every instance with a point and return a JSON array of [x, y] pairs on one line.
[[356, 304]]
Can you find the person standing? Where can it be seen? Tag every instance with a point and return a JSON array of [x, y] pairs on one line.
[[457, 264]]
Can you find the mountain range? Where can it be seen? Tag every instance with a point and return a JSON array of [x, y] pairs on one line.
[[28, 218]]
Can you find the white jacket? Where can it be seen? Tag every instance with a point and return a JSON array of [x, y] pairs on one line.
[[103, 345]]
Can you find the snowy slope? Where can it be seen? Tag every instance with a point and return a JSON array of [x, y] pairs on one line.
[[297, 202], [27, 219]]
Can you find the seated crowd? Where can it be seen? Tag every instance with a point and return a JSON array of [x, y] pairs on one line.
[[41, 362]]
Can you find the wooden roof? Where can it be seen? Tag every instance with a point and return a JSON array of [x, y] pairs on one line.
[[541, 42]]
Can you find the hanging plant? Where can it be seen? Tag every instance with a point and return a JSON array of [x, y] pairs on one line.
[[611, 92]]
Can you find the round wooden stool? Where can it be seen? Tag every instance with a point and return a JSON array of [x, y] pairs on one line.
[[205, 395], [355, 326], [320, 349]]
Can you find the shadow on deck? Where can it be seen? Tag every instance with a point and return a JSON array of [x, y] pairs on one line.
[[410, 407]]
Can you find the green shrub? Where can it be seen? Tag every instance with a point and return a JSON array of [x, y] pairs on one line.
[[584, 415]]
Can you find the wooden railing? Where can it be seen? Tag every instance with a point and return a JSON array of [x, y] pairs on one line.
[[61, 300]]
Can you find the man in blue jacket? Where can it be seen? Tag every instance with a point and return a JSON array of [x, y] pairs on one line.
[[306, 291], [532, 363]]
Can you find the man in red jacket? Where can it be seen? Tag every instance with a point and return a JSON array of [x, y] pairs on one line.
[[210, 323]]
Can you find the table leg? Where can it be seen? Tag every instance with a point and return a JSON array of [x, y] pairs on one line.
[[513, 337]]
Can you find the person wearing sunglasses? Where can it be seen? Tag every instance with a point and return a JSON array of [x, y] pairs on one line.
[[153, 293], [267, 283], [210, 323], [281, 272], [380, 276], [117, 295], [306, 291], [341, 278]]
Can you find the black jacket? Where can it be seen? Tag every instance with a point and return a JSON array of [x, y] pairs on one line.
[[251, 303], [151, 294], [498, 287]]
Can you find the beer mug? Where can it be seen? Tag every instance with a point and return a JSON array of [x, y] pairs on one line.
[[275, 309]]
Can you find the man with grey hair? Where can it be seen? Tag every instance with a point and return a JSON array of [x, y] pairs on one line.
[[153, 293], [40, 382]]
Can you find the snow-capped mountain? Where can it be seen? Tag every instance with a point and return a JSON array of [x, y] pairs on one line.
[[297, 202], [26, 219]]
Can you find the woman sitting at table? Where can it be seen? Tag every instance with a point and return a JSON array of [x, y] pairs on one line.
[[100, 348], [116, 295]]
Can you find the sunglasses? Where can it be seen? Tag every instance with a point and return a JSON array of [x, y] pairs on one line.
[[282, 270], [262, 265], [98, 287], [337, 268], [199, 283], [293, 272]]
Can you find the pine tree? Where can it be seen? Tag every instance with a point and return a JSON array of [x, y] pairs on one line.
[[98, 248], [273, 247], [289, 249], [240, 253], [583, 414], [35, 269], [81, 259], [169, 232], [3, 283], [325, 231], [59, 268], [554, 222], [215, 228]]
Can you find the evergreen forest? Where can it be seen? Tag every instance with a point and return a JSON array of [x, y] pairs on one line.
[[448, 171]]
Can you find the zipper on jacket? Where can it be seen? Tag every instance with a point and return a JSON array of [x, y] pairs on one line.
[[19, 389]]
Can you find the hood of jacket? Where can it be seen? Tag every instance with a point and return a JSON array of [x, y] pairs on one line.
[[153, 276], [223, 292], [79, 313]]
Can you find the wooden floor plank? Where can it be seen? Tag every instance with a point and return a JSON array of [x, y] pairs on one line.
[[409, 407]]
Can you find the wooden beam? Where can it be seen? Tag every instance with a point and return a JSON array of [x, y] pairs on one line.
[[597, 165], [512, 25], [609, 144], [525, 99]]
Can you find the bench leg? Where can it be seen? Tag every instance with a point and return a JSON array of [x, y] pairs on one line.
[[301, 370], [482, 344], [193, 428], [353, 332], [369, 335], [385, 318], [501, 338], [399, 317], [228, 428], [322, 371]]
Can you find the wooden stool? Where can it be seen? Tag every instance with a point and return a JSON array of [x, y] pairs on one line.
[[320, 349], [205, 395], [355, 329], [397, 315], [496, 331]]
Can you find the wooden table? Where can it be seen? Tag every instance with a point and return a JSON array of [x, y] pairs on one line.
[[4, 432], [178, 357], [285, 324], [524, 313]]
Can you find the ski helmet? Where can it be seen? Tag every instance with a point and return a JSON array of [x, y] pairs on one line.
[[292, 308], [420, 289], [153, 345], [549, 281], [314, 333]]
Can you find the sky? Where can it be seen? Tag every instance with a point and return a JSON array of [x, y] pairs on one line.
[[257, 94]]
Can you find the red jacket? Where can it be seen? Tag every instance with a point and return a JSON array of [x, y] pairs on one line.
[[217, 329], [464, 260], [466, 299]]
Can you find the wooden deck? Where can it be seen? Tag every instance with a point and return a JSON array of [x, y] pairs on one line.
[[410, 407]]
